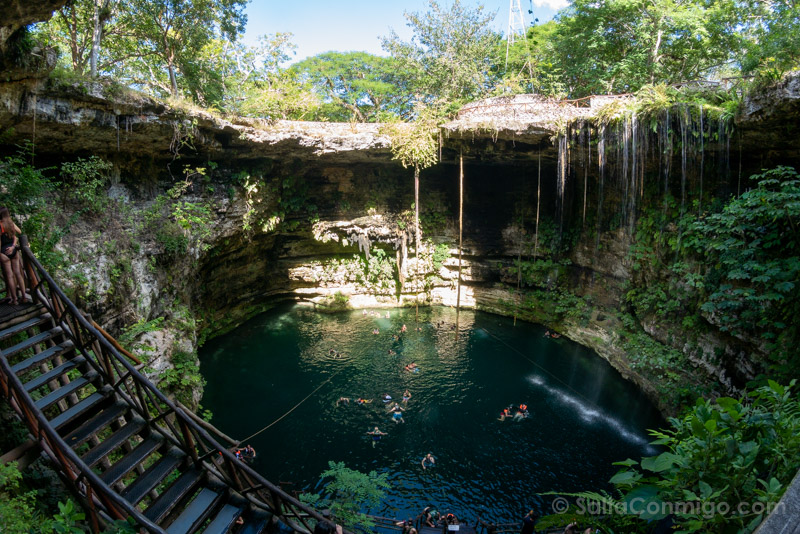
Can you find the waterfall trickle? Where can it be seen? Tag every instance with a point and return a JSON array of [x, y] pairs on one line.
[[601, 164], [562, 178], [587, 161], [684, 119], [702, 162]]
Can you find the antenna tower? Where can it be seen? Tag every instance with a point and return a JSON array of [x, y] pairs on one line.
[[516, 25]]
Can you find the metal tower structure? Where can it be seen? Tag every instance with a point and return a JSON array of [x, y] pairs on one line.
[[516, 25]]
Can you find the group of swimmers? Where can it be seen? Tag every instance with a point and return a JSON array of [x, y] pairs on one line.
[[515, 413], [245, 453], [554, 335]]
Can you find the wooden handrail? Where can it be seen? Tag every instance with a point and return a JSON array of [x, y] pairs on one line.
[[191, 433], [115, 343]]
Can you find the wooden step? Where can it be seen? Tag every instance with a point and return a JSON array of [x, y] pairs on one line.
[[80, 409], [154, 475], [113, 441], [255, 522], [96, 424], [50, 352], [224, 519], [73, 387], [195, 513], [54, 373], [131, 460], [167, 501], [21, 327], [33, 340]]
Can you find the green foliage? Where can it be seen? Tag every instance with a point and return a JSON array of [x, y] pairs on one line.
[[25, 190], [183, 378], [17, 507], [356, 85], [449, 56], [142, 326], [121, 526], [84, 183], [414, 144], [531, 66], [377, 271], [751, 256], [176, 223], [728, 451], [66, 521], [441, 253], [348, 494]]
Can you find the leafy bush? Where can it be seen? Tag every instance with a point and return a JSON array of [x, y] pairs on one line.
[[85, 180], [348, 494], [25, 191], [719, 454], [172, 237], [183, 378], [751, 250], [440, 254]]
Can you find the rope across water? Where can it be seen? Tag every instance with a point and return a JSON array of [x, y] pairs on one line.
[[276, 421]]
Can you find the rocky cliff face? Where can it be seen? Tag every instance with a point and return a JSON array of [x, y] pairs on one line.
[[320, 213]]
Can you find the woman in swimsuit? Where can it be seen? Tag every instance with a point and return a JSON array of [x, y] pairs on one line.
[[406, 396], [12, 262]]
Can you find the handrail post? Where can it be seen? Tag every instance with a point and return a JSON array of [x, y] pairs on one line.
[[33, 281], [187, 436]]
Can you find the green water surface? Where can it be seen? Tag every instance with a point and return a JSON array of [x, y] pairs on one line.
[[583, 415]]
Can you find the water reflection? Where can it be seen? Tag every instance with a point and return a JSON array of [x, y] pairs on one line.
[[583, 415]]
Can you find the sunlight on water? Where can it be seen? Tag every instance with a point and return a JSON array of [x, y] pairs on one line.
[[591, 414], [583, 415]]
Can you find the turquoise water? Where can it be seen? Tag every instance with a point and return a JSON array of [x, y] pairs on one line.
[[583, 415]]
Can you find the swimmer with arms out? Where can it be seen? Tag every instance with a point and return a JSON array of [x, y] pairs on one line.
[[376, 435]]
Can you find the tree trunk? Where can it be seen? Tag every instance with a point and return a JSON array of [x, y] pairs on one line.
[[416, 209], [99, 19], [95, 39], [173, 80]]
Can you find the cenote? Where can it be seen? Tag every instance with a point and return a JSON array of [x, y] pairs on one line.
[[583, 415]]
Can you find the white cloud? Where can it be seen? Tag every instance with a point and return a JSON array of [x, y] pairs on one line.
[[555, 5]]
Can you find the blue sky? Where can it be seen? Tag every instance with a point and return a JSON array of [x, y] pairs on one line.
[[355, 25]]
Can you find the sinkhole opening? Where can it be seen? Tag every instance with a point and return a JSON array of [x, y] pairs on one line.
[[582, 414]]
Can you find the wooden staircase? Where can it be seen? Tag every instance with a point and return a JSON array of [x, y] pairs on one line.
[[124, 448]]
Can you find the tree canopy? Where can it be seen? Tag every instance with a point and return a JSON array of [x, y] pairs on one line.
[[191, 50], [356, 85], [451, 53]]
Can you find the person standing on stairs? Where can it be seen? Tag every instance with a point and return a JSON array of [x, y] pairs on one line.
[[11, 260]]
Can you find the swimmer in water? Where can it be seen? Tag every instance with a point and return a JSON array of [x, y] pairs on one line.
[[406, 396], [386, 397], [412, 368], [363, 401], [428, 461], [403, 329], [376, 331], [343, 401], [376, 435], [397, 414], [392, 353], [387, 314]]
